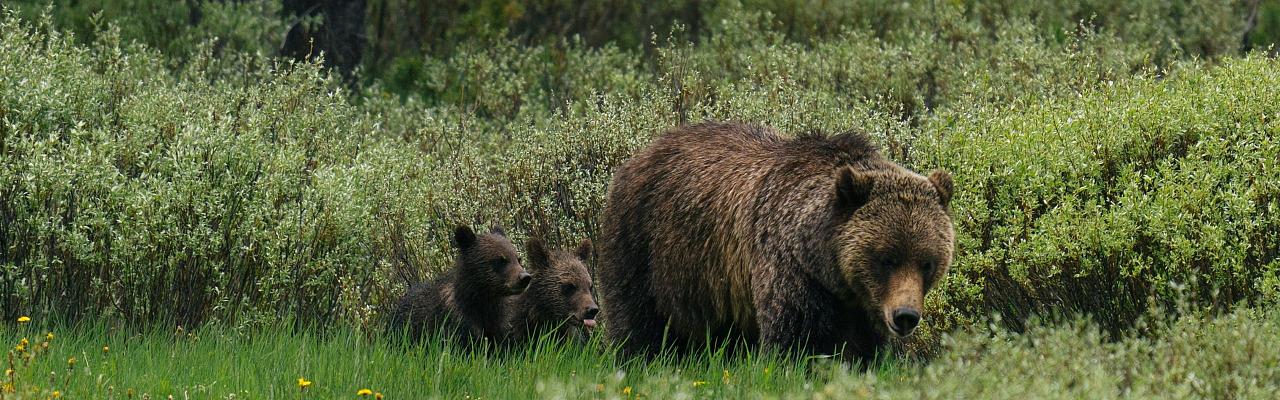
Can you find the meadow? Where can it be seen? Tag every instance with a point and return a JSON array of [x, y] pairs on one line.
[[1117, 202]]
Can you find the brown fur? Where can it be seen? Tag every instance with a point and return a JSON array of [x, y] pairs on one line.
[[466, 303], [559, 298], [728, 230]]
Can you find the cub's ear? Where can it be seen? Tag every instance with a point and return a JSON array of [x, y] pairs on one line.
[[537, 252], [584, 250], [853, 189], [941, 181], [497, 230], [463, 237]]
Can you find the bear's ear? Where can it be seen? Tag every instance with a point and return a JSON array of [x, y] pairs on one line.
[[497, 230], [584, 250], [941, 181], [853, 189], [463, 237], [537, 252]]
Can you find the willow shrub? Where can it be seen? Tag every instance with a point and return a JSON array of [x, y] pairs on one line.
[[247, 190], [1144, 189]]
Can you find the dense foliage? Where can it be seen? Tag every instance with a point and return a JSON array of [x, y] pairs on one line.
[[1102, 167]]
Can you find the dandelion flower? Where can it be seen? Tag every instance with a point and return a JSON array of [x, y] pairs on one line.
[[725, 377], [303, 383], [699, 383], [71, 362], [626, 390], [57, 394], [106, 349], [24, 342], [24, 319], [20, 348], [49, 336], [8, 372], [364, 392], [377, 396]]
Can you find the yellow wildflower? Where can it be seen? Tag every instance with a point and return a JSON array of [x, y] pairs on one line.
[[23, 342], [20, 348], [377, 396], [49, 336], [626, 390], [71, 362], [24, 319], [725, 377], [699, 383], [106, 349], [8, 372], [303, 383], [7, 388], [364, 392], [57, 394]]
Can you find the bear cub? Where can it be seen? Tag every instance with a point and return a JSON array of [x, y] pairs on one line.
[[559, 298], [467, 302]]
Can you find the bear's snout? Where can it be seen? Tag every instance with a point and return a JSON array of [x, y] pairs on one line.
[[522, 282], [904, 321]]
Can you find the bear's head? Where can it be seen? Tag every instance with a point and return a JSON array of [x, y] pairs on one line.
[[893, 240], [491, 260], [561, 285]]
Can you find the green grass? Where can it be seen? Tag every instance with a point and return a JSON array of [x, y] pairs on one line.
[[217, 362], [1193, 356]]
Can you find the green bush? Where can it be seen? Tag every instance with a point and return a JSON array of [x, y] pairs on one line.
[[246, 190], [1132, 192]]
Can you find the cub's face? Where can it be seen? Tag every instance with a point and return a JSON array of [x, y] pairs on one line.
[[896, 244], [562, 284], [493, 258]]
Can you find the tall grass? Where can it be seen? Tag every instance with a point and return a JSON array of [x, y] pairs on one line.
[[1192, 356]]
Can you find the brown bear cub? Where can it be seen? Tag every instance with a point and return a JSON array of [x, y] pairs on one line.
[[559, 298], [730, 231], [467, 302]]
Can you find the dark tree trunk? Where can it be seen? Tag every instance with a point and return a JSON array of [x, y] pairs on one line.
[[339, 35], [1250, 22]]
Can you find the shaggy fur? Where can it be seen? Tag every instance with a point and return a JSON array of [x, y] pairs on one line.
[[466, 303], [559, 298], [731, 231]]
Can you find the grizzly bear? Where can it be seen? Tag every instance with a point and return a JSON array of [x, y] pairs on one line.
[[728, 231], [559, 299], [465, 303]]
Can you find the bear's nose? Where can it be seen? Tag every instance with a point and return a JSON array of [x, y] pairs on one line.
[[591, 313], [905, 320], [525, 278]]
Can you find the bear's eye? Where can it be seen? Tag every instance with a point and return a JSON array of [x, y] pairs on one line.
[[500, 263], [928, 268], [887, 263], [567, 289]]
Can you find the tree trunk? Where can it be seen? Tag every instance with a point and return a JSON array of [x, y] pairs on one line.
[[339, 35]]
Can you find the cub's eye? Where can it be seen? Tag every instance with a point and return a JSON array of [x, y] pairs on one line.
[[567, 289], [500, 263], [928, 267]]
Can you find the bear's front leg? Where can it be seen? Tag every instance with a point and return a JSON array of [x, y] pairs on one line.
[[794, 314]]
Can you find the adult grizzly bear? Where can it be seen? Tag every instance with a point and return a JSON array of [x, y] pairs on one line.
[[467, 302], [815, 243], [559, 297]]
